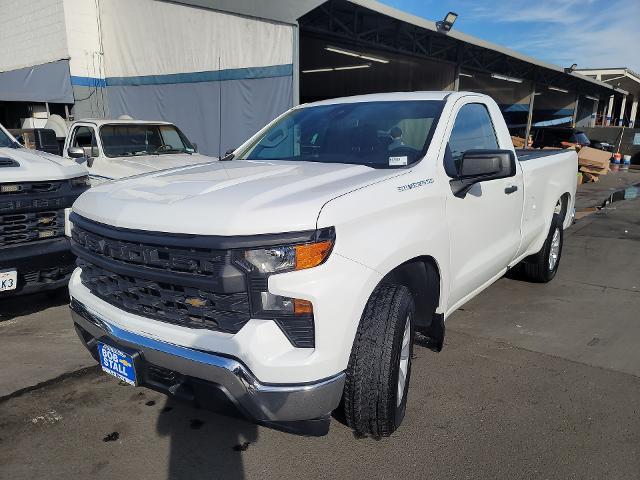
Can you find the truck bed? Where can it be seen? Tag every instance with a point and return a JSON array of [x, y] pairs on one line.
[[530, 154]]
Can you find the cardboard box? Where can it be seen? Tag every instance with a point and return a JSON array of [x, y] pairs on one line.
[[594, 158], [518, 142], [594, 170], [590, 177]]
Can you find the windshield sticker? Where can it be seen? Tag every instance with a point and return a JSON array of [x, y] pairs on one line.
[[421, 183], [396, 161]]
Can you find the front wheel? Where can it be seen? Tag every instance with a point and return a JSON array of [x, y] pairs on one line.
[[542, 266], [377, 383]]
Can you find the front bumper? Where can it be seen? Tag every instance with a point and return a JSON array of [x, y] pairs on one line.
[[262, 403], [43, 265]]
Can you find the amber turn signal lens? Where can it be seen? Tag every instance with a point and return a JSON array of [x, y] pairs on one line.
[[312, 254], [302, 307]]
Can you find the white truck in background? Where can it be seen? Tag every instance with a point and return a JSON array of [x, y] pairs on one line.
[[37, 190], [114, 149], [292, 275]]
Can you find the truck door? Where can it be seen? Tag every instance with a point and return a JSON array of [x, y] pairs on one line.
[[484, 226]]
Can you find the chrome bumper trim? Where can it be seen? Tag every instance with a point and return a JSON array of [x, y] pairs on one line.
[[261, 402]]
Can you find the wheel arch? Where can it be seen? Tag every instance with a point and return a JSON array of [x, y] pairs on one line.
[[422, 276]]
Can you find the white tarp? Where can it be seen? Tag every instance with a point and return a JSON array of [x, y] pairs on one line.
[[150, 37]]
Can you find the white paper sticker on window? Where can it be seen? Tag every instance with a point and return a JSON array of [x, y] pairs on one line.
[[395, 161]]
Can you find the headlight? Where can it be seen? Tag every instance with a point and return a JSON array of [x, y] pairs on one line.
[[287, 258], [81, 181], [294, 316]]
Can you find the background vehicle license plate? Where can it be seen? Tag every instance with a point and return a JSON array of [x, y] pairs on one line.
[[8, 280]]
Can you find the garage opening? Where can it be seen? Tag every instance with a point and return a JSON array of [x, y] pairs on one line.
[[332, 68]]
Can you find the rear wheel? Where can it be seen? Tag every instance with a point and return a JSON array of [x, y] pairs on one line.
[[542, 266], [377, 383]]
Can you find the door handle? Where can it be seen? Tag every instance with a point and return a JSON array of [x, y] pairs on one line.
[[511, 189]]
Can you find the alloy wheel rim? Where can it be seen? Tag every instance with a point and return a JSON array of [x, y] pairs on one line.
[[554, 251], [404, 360]]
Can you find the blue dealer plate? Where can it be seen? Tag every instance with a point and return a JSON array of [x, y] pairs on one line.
[[117, 363]]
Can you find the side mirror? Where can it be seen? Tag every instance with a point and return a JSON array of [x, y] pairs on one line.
[[481, 166], [75, 152]]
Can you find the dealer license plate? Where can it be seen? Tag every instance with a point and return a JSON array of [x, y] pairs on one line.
[[8, 280], [117, 363]]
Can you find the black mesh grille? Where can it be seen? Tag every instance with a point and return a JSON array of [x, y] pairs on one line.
[[203, 262], [185, 306], [7, 189], [17, 204], [176, 279], [27, 227]]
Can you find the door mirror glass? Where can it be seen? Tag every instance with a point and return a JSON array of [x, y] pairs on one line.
[[75, 152]]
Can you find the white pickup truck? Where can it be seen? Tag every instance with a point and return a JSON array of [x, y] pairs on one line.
[[113, 149], [37, 190], [292, 276]]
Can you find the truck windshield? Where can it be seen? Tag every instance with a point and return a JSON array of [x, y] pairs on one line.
[[6, 141], [143, 139], [377, 134]]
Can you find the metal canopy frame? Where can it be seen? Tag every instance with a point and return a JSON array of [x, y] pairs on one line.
[[351, 22], [355, 24]]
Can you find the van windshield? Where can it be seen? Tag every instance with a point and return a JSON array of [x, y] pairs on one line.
[[120, 140], [377, 134]]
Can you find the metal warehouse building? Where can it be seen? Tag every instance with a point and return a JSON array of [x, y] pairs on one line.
[[220, 69]]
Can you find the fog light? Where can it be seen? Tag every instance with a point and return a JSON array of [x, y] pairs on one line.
[[276, 303]]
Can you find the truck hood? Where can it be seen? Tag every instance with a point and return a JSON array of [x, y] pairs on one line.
[[128, 166], [35, 166], [240, 197]]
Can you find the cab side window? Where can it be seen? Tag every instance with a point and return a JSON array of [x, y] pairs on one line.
[[84, 137], [473, 130]]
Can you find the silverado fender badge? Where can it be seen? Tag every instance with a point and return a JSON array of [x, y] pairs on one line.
[[420, 183]]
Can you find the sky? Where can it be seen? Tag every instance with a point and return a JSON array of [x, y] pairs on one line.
[[591, 33]]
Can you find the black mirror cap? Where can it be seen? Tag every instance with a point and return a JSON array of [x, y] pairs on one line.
[[481, 166], [488, 164]]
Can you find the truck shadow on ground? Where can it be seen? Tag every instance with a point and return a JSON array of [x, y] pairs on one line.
[[12, 307], [204, 444]]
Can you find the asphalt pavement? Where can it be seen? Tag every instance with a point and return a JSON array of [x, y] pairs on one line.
[[535, 381]]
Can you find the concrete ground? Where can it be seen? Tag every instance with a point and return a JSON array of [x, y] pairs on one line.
[[535, 381], [38, 339], [596, 193]]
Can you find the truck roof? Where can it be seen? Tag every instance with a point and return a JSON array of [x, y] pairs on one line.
[[393, 96], [103, 121]]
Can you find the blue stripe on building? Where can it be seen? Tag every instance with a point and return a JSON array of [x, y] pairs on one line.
[[194, 77]]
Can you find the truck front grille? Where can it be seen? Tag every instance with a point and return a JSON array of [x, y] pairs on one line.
[[178, 284], [177, 304], [27, 227], [9, 189]]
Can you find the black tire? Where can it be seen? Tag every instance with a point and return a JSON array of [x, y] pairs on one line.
[[370, 395], [536, 268]]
